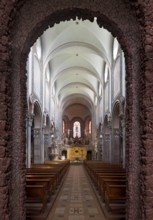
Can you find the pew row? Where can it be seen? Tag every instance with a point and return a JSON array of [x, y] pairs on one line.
[[109, 182], [42, 184], [36, 198]]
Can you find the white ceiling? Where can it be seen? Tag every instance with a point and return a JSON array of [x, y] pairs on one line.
[[74, 55]]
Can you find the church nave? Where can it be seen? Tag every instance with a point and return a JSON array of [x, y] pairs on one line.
[[76, 101]]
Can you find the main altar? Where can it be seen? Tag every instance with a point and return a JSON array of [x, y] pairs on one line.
[[76, 152]]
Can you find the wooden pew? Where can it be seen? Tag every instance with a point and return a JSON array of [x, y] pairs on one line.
[[110, 181], [112, 172], [109, 175], [54, 169], [45, 171], [115, 198], [42, 181], [51, 178], [36, 198]]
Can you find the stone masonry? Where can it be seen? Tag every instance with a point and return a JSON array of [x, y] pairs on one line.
[[21, 23]]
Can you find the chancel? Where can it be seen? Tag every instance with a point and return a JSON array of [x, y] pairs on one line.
[[76, 110]]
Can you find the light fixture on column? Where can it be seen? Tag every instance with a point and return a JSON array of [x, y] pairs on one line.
[[100, 136]]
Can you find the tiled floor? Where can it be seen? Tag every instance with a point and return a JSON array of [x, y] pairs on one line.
[[76, 199]]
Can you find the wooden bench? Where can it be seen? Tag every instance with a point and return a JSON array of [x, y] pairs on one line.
[[42, 181], [115, 198], [60, 169], [52, 177], [110, 176], [110, 181], [36, 198], [96, 178], [45, 171]]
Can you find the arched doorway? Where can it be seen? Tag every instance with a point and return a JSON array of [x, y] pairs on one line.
[[64, 154], [23, 36], [89, 155]]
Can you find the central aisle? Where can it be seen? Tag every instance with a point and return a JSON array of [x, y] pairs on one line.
[[76, 199]]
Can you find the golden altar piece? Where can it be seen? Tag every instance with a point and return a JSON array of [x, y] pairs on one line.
[[76, 152]]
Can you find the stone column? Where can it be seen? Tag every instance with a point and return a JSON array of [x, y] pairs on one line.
[[42, 144], [122, 137], [122, 128], [47, 144], [30, 118], [37, 145], [100, 147], [109, 136]]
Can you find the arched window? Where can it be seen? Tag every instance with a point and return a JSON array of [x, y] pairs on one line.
[[76, 129], [106, 74], [63, 126], [115, 48], [89, 127]]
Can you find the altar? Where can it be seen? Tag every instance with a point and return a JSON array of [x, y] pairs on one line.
[[76, 153]]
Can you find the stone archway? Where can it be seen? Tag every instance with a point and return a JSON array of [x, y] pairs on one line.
[[117, 17]]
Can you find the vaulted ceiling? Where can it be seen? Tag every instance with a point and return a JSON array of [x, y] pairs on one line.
[[75, 55]]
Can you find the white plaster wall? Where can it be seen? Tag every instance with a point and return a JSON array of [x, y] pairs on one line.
[[47, 97], [106, 97], [116, 77], [37, 78]]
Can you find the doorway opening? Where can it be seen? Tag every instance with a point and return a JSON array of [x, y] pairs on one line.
[[20, 56]]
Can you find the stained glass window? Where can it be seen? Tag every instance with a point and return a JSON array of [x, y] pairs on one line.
[[76, 129], [63, 126], [89, 127]]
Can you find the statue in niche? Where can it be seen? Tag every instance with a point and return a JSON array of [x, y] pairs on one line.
[[100, 127]]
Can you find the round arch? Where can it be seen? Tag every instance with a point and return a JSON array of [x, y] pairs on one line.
[[23, 36]]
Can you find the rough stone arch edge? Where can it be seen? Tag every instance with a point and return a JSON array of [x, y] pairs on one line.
[[20, 69]]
